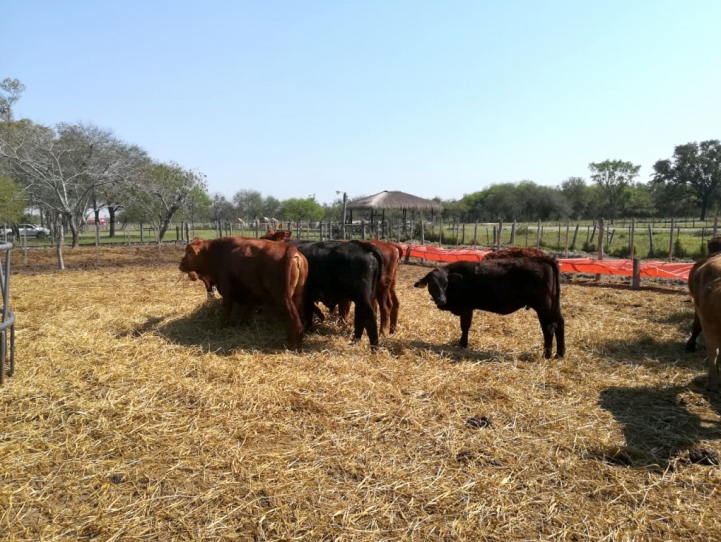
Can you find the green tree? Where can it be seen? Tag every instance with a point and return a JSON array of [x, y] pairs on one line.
[[11, 91], [612, 177], [302, 209], [12, 200], [579, 195], [696, 166], [248, 204]]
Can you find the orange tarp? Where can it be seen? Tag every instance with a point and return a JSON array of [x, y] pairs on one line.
[[571, 265]]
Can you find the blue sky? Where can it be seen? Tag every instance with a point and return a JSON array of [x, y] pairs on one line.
[[432, 98]]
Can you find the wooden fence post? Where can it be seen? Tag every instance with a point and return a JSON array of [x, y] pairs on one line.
[[187, 232], [495, 236], [423, 233], [636, 280], [670, 240], [650, 240], [475, 235], [538, 235], [575, 235], [558, 241], [600, 244], [513, 234], [568, 228], [463, 235], [715, 226], [526, 241], [440, 232], [631, 238], [500, 235]]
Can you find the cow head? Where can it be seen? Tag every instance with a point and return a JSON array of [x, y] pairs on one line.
[[714, 245], [437, 282], [194, 259]]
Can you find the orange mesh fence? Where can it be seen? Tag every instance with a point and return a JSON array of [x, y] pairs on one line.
[[571, 265]]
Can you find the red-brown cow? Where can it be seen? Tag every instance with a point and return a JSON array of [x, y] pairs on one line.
[[714, 247], [704, 281], [252, 272], [386, 297]]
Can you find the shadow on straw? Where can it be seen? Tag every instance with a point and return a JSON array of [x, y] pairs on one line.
[[263, 331], [659, 422], [645, 349], [453, 352]]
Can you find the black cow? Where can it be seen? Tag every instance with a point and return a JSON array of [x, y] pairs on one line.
[[501, 286], [343, 271]]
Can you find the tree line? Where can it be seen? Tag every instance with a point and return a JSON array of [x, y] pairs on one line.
[[69, 172]]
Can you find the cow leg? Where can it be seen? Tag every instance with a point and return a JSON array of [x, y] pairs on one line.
[[548, 326], [713, 349], [695, 331], [560, 337], [365, 318], [395, 307], [384, 306], [227, 311], [466, 319], [310, 309]]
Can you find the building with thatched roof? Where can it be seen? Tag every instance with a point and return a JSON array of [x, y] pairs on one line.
[[395, 200]]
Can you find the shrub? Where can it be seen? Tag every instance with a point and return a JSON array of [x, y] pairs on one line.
[[678, 250]]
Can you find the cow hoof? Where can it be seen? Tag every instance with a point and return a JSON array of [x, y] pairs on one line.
[[462, 345]]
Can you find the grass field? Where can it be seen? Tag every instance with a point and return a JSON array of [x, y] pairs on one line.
[[133, 417], [691, 236]]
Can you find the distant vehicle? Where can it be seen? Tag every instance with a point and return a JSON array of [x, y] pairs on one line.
[[30, 231]]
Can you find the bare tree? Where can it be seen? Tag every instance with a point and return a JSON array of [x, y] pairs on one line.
[[62, 168], [163, 191]]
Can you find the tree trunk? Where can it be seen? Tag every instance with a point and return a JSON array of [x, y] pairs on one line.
[[97, 230], [61, 235], [704, 205], [74, 230], [163, 228], [111, 212]]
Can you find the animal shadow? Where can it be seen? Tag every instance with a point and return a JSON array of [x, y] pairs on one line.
[[646, 347], [659, 422], [455, 353], [262, 331]]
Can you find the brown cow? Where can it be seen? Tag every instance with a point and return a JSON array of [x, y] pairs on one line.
[[280, 235], [386, 297], [514, 252], [704, 281], [714, 247], [251, 272]]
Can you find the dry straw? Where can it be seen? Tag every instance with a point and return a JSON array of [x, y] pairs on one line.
[[133, 417]]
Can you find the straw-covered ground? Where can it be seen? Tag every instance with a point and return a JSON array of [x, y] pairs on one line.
[[131, 416]]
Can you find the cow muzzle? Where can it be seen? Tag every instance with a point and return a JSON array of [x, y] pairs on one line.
[[441, 301]]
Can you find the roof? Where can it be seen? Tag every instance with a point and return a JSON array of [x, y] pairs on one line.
[[394, 199]]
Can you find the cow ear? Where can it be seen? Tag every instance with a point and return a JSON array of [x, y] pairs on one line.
[[421, 283], [455, 278]]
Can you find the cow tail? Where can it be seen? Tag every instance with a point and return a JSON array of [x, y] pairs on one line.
[[557, 287], [378, 255], [290, 255]]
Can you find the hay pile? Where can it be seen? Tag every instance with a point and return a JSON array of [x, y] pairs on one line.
[[131, 416]]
